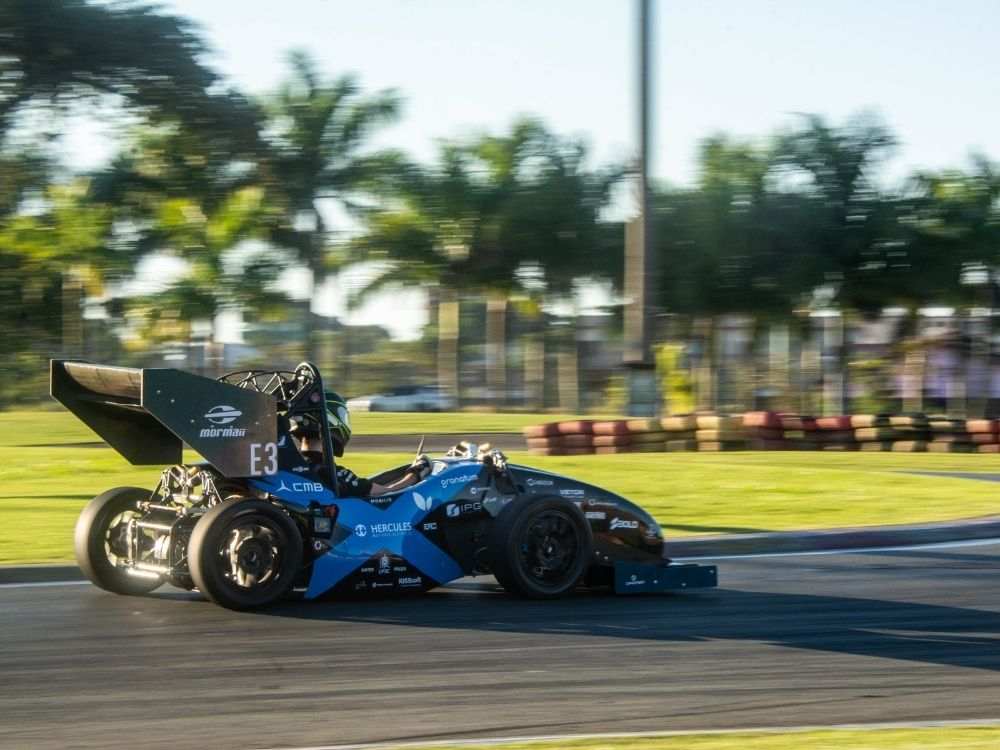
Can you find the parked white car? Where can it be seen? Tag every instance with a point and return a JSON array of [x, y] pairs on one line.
[[404, 398]]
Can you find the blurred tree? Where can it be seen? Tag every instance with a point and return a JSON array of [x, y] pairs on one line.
[[726, 244], [177, 192], [495, 215], [316, 132], [55, 51], [952, 234], [850, 231], [53, 253], [770, 225]]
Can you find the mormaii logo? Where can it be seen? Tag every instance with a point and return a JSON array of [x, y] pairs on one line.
[[222, 415], [423, 503]]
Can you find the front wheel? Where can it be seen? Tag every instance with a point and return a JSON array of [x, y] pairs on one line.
[[245, 554], [102, 541], [541, 547]]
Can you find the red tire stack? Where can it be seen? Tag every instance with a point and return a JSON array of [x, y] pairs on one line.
[[764, 431], [612, 437], [949, 436], [680, 432], [570, 438], [835, 434], [984, 434], [648, 436], [720, 432], [800, 433]]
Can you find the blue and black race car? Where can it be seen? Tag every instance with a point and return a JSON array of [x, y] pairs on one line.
[[260, 520]]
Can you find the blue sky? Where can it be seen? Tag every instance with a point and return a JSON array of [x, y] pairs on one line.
[[742, 67]]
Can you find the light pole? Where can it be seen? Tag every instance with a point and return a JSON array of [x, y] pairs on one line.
[[639, 364]]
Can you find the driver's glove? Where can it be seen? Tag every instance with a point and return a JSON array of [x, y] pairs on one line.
[[421, 467]]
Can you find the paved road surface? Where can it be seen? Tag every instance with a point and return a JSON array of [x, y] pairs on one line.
[[893, 636]]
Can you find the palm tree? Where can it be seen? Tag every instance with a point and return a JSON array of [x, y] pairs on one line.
[[55, 51], [179, 193], [316, 132], [491, 213]]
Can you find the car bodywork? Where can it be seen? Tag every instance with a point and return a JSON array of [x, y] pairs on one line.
[[259, 519]]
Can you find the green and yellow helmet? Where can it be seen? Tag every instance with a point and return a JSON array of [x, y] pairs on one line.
[[338, 416]]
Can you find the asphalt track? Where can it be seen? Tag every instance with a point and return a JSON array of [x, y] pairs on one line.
[[892, 636]]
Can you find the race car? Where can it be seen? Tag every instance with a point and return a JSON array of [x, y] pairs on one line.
[[258, 520]]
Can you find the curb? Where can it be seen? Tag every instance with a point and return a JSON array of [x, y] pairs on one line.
[[986, 527], [731, 545], [44, 573]]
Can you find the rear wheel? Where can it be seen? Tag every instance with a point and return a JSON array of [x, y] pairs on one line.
[[541, 547], [101, 541], [245, 554]]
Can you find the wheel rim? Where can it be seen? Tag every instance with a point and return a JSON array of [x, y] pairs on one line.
[[550, 546], [118, 538], [252, 552]]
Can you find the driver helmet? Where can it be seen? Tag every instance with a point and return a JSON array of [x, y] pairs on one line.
[[339, 418]]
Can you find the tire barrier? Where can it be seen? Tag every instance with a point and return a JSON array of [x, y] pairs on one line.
[[766, 431]]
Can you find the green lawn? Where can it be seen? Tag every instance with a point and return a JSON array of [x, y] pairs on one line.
[[936, 738], [42, 489]]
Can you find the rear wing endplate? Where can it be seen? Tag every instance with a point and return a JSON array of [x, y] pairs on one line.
[[147, 415]]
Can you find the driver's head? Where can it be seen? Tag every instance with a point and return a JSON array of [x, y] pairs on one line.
[[338, 416]]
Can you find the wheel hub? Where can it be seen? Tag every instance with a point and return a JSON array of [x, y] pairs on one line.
[[252, 556]]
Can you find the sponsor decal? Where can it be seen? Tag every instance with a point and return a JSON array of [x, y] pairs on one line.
[[384, 566], [596, 515], [400, 569], [390, 528], [429, 527], [635, 581], [300, 487], [464, 479], [322, 525], [382, 530], [369, 569], [222, 414], [360, 586], [422, 503], [602, 503], [300, 469], [571, 493], [454, 510], [380, 500], [539, 482], [621, 523], [477, 490], [307, 487], [410, 581], [320, 546], [377, 585], [226, 432]]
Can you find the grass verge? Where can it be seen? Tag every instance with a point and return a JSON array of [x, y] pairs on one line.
[[43, 489], [931, 738]]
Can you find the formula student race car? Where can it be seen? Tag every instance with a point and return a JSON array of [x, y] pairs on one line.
[[257, 521]]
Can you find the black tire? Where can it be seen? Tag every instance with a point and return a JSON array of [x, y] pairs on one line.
[[245, 554], [100, 541], [541, 547]]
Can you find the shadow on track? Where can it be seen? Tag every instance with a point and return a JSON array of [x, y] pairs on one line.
[[865, 627]]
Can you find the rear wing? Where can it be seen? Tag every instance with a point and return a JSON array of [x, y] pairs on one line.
[[147, 415]]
